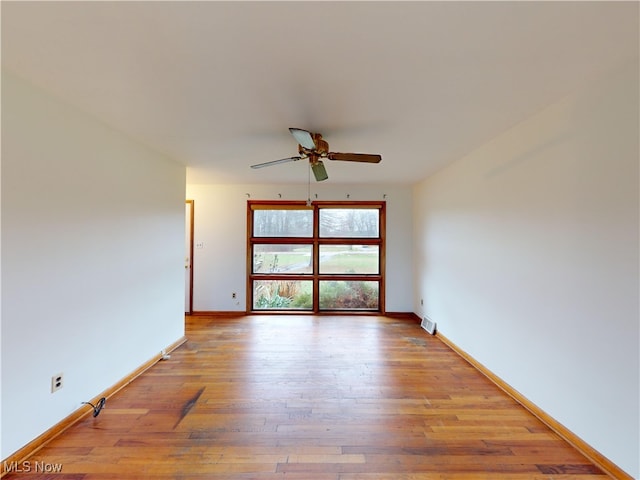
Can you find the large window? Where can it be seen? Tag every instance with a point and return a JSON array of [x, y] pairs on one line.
[[325, 257]]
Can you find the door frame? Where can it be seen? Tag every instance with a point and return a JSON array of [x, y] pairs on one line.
[[189, 311]]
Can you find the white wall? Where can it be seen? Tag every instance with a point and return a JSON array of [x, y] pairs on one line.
[[526, 256], [219, 268], [92, 259]]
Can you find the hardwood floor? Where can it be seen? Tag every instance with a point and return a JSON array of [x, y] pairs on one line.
[[313, 398]]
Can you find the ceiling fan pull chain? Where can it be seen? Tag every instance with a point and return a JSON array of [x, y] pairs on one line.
[[309, 186]]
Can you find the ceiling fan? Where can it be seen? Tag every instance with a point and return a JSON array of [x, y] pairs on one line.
[[313, 147]]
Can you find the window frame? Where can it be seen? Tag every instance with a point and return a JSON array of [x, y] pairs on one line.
[[315, 241]]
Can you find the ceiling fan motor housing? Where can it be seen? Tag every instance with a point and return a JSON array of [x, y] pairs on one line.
[[322, 147]]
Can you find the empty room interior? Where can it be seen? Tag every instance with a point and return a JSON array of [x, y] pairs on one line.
[[328, 240]]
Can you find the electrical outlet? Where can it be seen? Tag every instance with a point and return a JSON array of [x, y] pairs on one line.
[[56, 382], [233, 295]]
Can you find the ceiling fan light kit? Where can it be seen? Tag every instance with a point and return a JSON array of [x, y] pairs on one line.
[[313, 147], [319, 172]]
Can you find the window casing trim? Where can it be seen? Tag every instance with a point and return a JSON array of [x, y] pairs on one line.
[[315, 241]]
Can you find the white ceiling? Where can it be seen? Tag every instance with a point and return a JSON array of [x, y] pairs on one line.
[[217, 84]]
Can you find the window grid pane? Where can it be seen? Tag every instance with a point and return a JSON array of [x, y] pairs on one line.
[[349, 295], [285, 258], [349, 259], [283, 223], [349, 222], [282, 295]]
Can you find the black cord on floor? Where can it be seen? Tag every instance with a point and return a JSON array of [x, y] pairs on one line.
[[98, 407]]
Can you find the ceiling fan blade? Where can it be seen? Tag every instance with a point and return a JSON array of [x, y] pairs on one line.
[[304, 138], [319, 171], [276, 162], [355, 157]]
